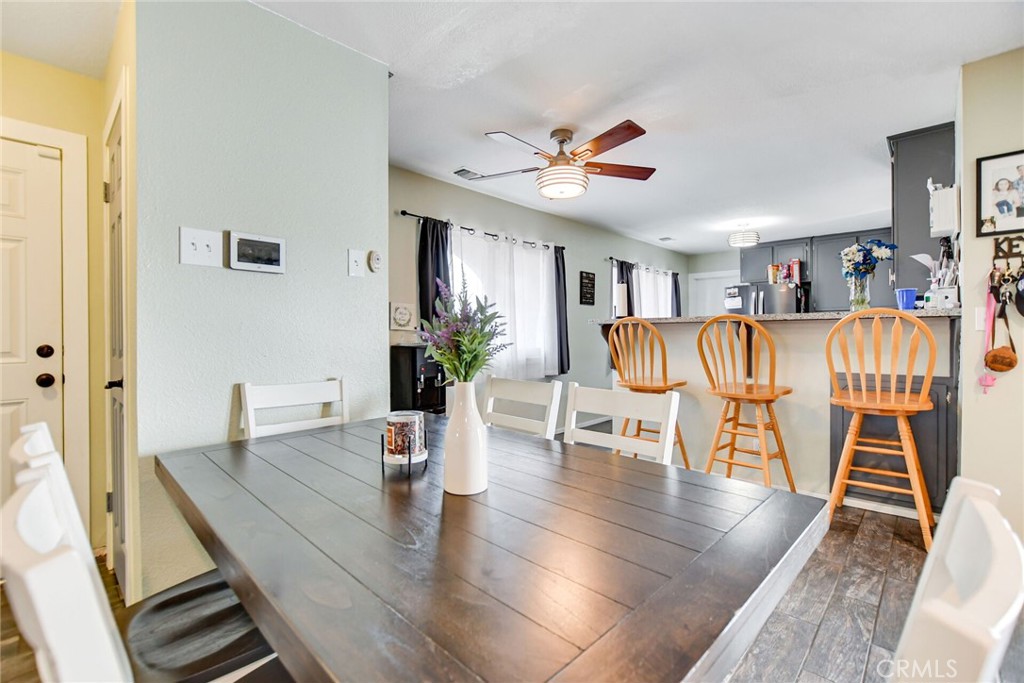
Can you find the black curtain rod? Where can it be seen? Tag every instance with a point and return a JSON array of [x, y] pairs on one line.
[[472, 231]]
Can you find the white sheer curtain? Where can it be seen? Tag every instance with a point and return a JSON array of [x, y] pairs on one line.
[[653, 292], [520, 280]]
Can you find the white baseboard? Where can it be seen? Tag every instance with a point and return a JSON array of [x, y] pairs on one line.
[[588, 423], [886, 508]]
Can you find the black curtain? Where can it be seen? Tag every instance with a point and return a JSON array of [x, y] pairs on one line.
[[677, 299], [626, 277], [435, 243], [561, 312]]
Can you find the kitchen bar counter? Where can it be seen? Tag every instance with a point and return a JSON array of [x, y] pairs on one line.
[[805, 416], [788, 317]]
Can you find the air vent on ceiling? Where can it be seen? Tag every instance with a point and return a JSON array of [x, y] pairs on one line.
[[665, 239], [467, 174]]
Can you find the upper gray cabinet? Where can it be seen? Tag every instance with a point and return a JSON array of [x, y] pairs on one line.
[[917, 156], [754, 261], [830, 291]]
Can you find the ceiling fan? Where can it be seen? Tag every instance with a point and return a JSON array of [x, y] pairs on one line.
[[567, 174]]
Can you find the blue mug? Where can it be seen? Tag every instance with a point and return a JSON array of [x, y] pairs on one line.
[[905, 298]]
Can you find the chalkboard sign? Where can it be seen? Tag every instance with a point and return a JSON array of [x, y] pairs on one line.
[[587, 282]]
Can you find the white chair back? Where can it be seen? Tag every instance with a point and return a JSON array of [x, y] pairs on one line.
[[43, 442], [55, 602], [546, 394], [969, 595], [260, 397], [660, 408]]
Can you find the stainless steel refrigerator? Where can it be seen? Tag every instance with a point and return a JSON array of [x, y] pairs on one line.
[[763, 298]]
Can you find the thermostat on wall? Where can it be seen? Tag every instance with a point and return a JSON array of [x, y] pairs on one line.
[[256, 252]]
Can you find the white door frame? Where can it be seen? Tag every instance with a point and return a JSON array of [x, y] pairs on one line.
[[75, 290], [708, 275], [132, 581]]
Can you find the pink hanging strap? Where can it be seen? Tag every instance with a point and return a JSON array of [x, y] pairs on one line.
[[987, 379]]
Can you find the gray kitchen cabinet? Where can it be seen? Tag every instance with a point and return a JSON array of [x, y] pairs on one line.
[[754, 262], [783, 252], [917, 156], [935, 433], [830, 291]]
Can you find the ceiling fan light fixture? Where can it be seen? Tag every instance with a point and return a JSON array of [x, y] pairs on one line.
[[744, 238], [562, 181]]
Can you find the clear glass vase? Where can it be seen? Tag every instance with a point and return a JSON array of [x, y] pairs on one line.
[[860, 293]]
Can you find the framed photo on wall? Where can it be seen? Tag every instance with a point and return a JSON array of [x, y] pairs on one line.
[[1001, 194]]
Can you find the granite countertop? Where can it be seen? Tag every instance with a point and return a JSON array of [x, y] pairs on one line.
[[790, 317]]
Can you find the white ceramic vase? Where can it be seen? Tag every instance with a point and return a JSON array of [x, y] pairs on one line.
[[465, 445]]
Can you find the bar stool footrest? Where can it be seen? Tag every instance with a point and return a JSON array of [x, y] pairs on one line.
[[875, 449], [740, 463], [878, 487], [883, 473]]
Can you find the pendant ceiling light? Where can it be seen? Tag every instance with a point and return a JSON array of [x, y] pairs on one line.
[[562, 181], [744, 238]]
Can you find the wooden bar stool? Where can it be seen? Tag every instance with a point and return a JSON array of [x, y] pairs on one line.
[[638, 349], [748, 382], [870, 391]]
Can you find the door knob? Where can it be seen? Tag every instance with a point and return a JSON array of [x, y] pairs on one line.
[[44, 351], [114, 384], [45, 380]]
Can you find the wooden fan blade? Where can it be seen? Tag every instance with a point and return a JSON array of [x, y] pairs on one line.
[[522, 145], [624, 132], [620, 171], [467, 174]]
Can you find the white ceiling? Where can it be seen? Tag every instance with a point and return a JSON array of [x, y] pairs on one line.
[[771, 114], [75, 36]]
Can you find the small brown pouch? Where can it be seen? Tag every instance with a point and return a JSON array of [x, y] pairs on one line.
[[1001, 358]]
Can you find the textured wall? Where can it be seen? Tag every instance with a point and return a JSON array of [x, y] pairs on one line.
[[715, 261], [586, 248], [249, 122], [991, 121]]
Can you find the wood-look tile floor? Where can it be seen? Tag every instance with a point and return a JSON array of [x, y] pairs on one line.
[[17, 663], [842, 618]]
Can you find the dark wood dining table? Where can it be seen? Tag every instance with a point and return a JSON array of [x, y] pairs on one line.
[[575, 564]]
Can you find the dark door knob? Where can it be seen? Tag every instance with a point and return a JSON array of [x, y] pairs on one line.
[[44, 351], [45, 380], [114, 384]]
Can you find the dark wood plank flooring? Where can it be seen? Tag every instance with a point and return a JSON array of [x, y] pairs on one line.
[[17, 663], [841, 619]]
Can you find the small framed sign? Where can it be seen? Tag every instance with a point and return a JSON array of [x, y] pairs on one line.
[[587, 288]]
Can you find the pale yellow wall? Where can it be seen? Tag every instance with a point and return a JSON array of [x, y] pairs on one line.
[[47, 96], [991, 121]]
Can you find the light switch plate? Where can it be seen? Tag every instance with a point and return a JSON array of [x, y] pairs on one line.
[[979, 318], [356, 263], [200, 247]]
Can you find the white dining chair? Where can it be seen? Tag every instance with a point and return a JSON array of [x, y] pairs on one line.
[[544, 394], [68, 623], [656, 408], [969, 595], [265, 396]]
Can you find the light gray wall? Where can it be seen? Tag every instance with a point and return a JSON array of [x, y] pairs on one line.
[[586, 248], [249, 122], [715, 261]]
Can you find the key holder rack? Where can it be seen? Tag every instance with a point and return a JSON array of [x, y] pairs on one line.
[[1006, 249]]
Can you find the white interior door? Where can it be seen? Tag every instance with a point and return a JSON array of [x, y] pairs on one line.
[[116, 424], [31, 349], [707, 291]]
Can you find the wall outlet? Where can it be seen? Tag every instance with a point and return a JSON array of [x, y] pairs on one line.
[[200, 247], [356, 263]]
